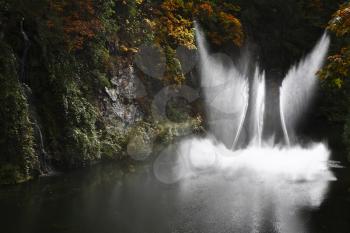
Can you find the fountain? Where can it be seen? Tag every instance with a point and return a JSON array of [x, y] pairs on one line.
[[260, 178]]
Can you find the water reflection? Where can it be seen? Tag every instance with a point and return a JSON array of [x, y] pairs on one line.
[[108, 199]]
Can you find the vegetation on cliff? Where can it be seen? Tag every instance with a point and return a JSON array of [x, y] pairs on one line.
[[79, 59], [17, 159], [65, 54], [335, 74]]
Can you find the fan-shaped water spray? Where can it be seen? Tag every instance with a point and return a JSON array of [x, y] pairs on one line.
[[299, 87], [225, 92]]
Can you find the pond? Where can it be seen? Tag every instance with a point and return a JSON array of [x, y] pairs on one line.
[[107, 198]]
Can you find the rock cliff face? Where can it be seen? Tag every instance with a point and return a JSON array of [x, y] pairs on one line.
[[67, 114], [121, 99], [57, 123]]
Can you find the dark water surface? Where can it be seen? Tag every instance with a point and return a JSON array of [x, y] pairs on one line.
[[104, 199]]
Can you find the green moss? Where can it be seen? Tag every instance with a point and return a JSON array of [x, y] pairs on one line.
[[66, 105], [141, 140], [81, 146], [82, 143], [168, 131], [174, 71], [79, 135], [12, 174], [101, 78], [113, 143], [17, 156]]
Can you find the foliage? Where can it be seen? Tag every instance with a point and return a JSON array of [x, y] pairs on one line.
[[176, 17], [335, 74], [169, 25], [137, 26], [78, 20], [340, 23], [68, 113], [174, 24], [338, 67], [337, 70], [173, 74], [17, 159], [82, 143]]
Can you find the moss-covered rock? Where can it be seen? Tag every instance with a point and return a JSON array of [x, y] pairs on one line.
[[141, 140], [69, 115], [17, 158], [113, 142], [168, 131]]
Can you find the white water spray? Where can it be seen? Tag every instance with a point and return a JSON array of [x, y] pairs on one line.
[[258, 108], [225, 92], [299, 86]]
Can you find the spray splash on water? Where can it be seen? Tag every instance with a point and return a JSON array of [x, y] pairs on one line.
[[257, 189]]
